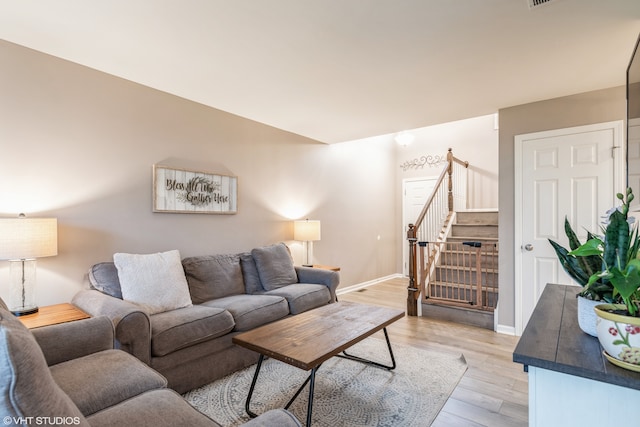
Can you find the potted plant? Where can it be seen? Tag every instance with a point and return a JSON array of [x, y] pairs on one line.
[[581, 268], [618, 325]]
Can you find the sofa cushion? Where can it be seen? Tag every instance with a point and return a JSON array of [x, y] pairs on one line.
[[151, 409], [303, 296], [176, 329], [119, 374], [156, 282], [250, 274], [250, 311], [27, 388], [104, 277], [275, 266], [213, 276]]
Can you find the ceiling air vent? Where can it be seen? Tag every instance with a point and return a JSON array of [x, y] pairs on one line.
[[536, 3]]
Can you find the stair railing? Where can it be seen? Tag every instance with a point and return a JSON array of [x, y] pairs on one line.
[[449, 194]]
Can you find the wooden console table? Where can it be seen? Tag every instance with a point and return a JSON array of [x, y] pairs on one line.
[[570, 381]]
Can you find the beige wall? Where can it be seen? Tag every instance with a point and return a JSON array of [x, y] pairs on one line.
[[79, 145], [582, 109]]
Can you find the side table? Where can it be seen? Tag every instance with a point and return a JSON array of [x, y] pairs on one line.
[[52, 315], [324, 267]]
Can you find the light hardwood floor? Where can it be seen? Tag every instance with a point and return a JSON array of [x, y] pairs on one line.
[[493, 391]]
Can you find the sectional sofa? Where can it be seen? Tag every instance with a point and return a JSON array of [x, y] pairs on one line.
[[179, 315]]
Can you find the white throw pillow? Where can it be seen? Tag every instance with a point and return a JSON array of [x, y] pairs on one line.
[[156, 282]]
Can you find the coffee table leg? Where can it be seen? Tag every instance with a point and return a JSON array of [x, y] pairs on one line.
[[345, 355], [311, 380], [253, 386], [310, 403]]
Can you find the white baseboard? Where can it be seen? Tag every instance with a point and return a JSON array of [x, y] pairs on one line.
[[507, 330], [363, 285]]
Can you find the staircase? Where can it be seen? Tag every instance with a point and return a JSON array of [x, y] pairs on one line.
[[462, 271]]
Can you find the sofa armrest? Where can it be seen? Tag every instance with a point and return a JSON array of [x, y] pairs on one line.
[[320, 276], [71, 340], [132, 325]]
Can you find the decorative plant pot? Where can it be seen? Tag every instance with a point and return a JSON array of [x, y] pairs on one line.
[[619, 335], [587, 315]]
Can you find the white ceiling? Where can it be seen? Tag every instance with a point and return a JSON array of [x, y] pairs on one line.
[[340, 70]]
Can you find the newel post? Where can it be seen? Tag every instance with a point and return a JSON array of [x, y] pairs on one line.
[[412, 290]]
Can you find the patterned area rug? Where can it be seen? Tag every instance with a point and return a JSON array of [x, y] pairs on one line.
[[347, 393]]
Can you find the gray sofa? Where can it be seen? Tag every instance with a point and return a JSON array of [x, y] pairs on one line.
[[230, 294], [70, 374]]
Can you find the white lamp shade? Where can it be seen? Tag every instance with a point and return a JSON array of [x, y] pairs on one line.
[[28, 238], [306, 230]]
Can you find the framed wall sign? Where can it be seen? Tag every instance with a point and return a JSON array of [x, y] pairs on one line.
[[184, 191]]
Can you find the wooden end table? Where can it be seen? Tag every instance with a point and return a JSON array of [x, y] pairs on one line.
[[52, 315], [322, 266], [309, 339]]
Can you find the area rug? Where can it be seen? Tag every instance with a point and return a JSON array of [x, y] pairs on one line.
[[347, 393]]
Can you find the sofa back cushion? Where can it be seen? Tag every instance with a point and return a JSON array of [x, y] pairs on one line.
[[27, 388], [155, 282], [275, 266], [104, 277], [250, 274], [213, 276]]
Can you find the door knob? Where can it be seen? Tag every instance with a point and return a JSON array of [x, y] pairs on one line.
[[528, 247]]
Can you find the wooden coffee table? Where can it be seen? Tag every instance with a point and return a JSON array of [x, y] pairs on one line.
[[309, 339]]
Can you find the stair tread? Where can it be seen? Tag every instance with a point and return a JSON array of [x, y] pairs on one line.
[[472, 238], [469, 251], [491, 289], [475, 224]]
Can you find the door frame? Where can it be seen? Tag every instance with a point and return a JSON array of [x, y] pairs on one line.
[[619, 179]]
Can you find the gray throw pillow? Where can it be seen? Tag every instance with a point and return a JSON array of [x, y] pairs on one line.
[[275, 266], [27, 388], [250, 275], [213, 276], [104, 277]]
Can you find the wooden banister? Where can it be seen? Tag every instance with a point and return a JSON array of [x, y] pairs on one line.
[[419, 231]]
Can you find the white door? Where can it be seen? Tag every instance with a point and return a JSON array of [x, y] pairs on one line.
[[573, 172], [415, 193], [633, 158]]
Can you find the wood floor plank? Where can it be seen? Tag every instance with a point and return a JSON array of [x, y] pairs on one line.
[[494, 390]]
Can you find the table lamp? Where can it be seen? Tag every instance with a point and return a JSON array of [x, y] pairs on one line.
[[22, 240], [307, 231]]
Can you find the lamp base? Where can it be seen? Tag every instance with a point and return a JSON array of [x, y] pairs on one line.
[[22, 299], [24, 311]]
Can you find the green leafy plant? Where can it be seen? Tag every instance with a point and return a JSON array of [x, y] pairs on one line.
[[619, 254], [582, 267]]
